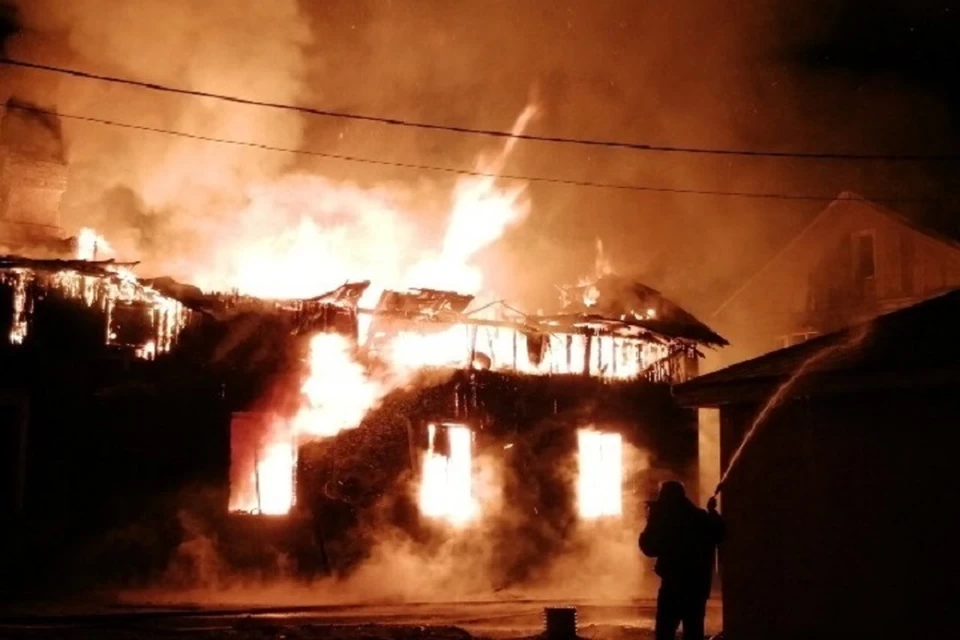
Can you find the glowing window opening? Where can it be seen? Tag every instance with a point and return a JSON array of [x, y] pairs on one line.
[[600, 477], [446, 483]]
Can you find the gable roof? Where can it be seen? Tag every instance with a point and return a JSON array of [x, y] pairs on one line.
[[912, 346], [846, 196]]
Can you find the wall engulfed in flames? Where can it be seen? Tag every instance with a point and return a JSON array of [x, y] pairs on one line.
[[337, 392], [335, 395]]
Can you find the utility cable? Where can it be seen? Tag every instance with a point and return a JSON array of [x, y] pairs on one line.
[[398, 122], [467, 172]]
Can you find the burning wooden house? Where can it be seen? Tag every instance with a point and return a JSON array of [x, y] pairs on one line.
[[312, 415], [577, 402], [409, 397]]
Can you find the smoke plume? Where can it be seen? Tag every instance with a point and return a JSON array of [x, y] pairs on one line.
[[774, 75], [183, 192]]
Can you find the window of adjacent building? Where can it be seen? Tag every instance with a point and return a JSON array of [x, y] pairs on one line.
[[865, 257], [907, 264], [792, 339]]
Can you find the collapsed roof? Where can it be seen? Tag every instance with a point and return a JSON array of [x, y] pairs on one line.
[[636, 306], [611, 306]]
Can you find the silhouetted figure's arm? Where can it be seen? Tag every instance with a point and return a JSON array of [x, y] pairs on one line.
[[718, 529], [651, 538]]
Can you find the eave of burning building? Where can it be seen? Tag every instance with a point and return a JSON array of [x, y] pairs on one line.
[[623, 313], [136, 316]]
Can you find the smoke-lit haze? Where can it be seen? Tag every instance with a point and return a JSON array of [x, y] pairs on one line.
[[769, 75]]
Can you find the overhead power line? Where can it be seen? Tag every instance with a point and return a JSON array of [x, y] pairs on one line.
[[397, 122], [466, 172]]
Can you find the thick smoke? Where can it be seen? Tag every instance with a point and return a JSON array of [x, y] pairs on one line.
[[29, 128], [772, 75], [225, 216], [599, 558], [168, 198]]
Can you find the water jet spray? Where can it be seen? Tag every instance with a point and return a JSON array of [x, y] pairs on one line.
[[855, 339]]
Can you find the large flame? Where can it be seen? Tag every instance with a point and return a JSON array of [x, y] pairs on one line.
[[408, 350], [304, 235], [481, 213], [337, 393], [600, 479], [347, 233]]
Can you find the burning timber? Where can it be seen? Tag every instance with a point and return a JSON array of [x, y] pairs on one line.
[[147, 315], [134, 316]]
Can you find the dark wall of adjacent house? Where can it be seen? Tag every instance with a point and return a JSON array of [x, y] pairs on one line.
[[838, 517], [107, 449], [101, 451], [852, 263]]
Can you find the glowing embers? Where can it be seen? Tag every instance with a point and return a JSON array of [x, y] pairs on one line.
[[18, 329], [446, 482], [262, 466], [600, 479]]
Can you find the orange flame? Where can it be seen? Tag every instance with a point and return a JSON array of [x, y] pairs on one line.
[[408, 351], [337, 393], [480, 215], [90, 244], [275, 485]]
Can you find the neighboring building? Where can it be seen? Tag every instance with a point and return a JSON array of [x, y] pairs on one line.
[[33, 179], [838, 509], [853, 261]]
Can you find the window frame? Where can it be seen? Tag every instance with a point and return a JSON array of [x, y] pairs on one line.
[[857, 239]]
